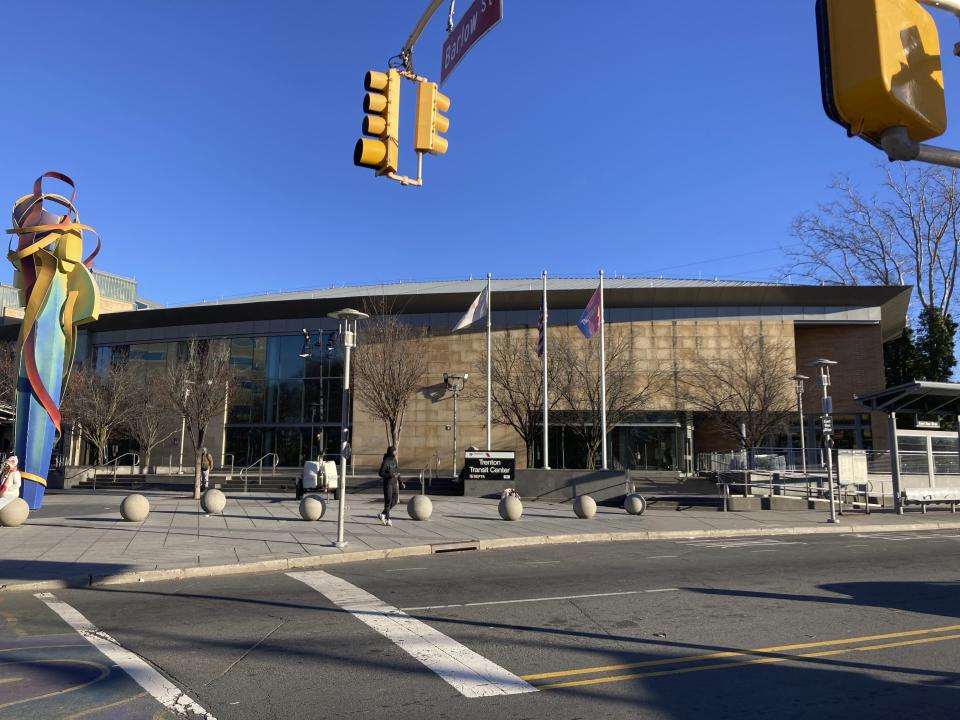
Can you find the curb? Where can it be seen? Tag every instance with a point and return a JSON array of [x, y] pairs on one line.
[[314, 561]]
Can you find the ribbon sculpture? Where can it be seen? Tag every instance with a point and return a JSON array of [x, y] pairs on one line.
[[58, 293]]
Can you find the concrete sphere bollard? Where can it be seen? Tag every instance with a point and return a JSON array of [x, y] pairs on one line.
[[420, 507], [510, 508], [14, 513], [213, 501], [312, 508], [135, 508], [585, 507], [635, 504]]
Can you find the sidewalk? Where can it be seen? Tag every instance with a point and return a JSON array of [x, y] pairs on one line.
[[79, 539]]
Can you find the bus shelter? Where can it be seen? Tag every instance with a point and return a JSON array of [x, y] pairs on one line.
[[915, 398]]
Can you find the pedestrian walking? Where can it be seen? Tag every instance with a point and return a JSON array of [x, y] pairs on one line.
[[9, 481], [206, 464], [390, 474]]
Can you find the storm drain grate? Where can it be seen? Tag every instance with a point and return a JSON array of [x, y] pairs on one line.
[[455, 546]]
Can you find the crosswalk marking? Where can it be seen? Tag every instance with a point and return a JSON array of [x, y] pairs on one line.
[[144, 674], [468, 672]]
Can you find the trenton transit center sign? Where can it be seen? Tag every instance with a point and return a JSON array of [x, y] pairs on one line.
[[289, 405], [489, 465]]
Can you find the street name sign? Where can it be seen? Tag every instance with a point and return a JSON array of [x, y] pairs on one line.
[[477, 21], [827, 422], [489, 465]]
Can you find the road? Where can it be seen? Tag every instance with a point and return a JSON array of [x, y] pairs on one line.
[[815, 626]]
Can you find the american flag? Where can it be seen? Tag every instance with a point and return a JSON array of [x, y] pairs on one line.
[[540, 325]]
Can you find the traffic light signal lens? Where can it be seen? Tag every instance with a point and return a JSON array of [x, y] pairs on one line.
[[374, 125], [374, 103], [443, 102], [369, 153], [375, 80]]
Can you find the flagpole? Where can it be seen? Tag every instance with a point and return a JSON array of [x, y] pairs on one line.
[[489, 312], [546, 434], [603, 381]]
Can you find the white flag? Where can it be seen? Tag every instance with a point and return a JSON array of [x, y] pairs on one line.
[[477, 310]]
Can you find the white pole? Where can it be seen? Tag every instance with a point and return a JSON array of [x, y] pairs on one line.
[[489, 310], [603, 381], [348, 341], [546, 434]]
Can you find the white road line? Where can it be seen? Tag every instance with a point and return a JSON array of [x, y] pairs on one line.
[[539, 599], [657, 557], [541, 562], [404, 569], [168, 694], [469, 673]]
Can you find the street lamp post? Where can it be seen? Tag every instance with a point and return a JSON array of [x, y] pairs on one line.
[[799, 379], [183, 426], [456, 383], [826, 424], [348, 332]]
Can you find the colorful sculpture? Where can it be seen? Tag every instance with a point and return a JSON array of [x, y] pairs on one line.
[[58, 293]]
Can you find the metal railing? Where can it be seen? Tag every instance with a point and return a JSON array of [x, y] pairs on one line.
[[116, 464], [427, 472], [224, 466], [259, 464]]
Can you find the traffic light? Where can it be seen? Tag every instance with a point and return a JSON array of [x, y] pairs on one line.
[[430, 123], [880, 67], [382, 103]]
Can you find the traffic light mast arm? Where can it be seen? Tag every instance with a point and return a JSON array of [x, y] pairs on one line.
[[898, 146], [406, 52]]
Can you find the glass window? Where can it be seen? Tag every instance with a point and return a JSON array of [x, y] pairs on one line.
[[912, 443], [944, 444], [290, 401]]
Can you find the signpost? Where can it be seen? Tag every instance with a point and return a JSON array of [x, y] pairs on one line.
[[489, 465], [476, 22]]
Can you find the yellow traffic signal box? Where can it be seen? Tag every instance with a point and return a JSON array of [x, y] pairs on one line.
[[430, 123], [382, 103], [880, 67]]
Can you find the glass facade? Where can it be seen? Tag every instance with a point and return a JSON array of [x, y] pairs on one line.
[[281, 403]]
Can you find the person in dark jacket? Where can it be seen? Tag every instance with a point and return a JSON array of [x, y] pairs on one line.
[[390, 474]]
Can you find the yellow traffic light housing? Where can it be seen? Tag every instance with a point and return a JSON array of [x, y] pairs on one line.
[[430, 123], [880, 68], [382, 103]]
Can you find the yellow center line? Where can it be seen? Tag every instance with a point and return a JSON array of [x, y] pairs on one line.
[[755, 661], [732, 653]]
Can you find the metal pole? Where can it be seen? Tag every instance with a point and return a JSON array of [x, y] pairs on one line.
[[344, 431], [183, 425], [895, 461], [456, 394], [489, 309], [546, 433], [828, 440], [603, 382], [803, 445]]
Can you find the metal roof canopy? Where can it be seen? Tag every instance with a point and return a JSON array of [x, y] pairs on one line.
[[917, 397]]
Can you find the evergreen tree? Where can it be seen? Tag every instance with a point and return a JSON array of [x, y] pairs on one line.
[[935, 345], [901, 360]]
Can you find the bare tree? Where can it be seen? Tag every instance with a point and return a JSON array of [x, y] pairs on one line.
[[197, 386], [101, 401], [516, 385], [906, 234], [629, 389], [747, 389], [155, 419], [390, 365]]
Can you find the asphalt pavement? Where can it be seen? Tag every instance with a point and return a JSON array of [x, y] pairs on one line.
[[825, 626]]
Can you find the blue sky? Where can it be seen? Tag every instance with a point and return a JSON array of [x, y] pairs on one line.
[[212, 140]]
